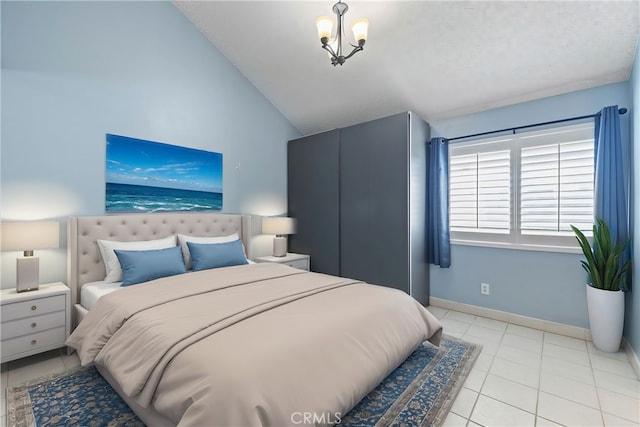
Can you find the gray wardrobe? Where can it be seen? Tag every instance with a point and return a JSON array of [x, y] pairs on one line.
[[358, 194]]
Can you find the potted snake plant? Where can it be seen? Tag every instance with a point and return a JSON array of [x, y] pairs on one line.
[[607, 281]]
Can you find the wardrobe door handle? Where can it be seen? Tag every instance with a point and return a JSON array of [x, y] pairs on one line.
[[33, 342]]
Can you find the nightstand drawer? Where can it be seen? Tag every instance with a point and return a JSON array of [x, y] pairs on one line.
[[302, 264], [27, 343], [30, 325], [34, 307]]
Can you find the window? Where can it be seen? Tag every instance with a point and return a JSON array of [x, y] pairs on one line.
[[523, 190]]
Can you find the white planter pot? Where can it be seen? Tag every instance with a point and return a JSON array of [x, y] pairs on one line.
[[606, 318]]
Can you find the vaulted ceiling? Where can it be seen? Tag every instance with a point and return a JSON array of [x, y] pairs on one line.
[[437, 58]]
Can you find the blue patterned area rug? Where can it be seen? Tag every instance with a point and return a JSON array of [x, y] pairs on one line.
[[419, 392]]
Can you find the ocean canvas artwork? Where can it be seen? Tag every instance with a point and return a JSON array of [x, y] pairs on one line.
[[147, 176]]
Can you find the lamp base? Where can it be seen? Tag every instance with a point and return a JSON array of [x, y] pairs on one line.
[[28, 274], [279, 246]]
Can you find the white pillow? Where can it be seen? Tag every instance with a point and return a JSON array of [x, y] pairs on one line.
[[111, 263], [183, 239]]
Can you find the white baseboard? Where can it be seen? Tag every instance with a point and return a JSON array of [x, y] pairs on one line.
[[633, 357], [532, 322], [529, 322]]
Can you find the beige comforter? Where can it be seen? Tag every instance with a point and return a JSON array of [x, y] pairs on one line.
[[251, 345]]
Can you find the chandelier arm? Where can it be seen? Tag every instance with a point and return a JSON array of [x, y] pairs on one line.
[[354, 51], [328, 49]]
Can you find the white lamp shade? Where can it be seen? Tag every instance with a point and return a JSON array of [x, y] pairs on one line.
[[278, 225], [30, 235], [360, 28], [325, 25]]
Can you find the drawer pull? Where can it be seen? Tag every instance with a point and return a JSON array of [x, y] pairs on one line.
[[33, 342], [34, 324], [34, 308]]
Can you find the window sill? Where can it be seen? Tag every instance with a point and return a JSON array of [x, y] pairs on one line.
[[519, 247]]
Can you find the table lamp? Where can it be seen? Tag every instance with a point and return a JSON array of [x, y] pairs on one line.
[[280, 226], [27, 236]]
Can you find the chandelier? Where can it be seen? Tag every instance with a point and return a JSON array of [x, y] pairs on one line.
[[334, 45]]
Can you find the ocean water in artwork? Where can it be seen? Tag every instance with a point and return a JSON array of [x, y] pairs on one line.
[[142, 198]]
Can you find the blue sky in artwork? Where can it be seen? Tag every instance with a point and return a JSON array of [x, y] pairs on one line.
[[139, 162]]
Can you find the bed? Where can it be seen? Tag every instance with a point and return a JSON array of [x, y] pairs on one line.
[[246, 344]]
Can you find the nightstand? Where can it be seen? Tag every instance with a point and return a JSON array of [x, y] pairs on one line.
[[34, 321], [292, 260]]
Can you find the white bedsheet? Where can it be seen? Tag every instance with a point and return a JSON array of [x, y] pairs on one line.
[[92, 291]]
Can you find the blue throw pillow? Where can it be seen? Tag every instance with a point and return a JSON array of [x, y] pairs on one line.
[[214, 255], [142, 266]]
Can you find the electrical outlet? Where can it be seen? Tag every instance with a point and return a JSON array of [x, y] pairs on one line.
[[484, 288]]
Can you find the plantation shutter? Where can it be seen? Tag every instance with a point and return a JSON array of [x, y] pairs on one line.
[[463, 192], [556, 181], [523, 190], [480, 189], [494, 191]]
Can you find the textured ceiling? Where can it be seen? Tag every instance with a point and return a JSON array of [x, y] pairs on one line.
[[437, 58]]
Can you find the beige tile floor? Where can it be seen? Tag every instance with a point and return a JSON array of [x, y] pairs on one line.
[[523, 377], [526, 377]]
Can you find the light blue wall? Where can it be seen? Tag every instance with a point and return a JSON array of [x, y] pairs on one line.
[[544, 285], [632, 312], [74, 71]]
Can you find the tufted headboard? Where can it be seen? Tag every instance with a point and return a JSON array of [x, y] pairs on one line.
[[85, 263]]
